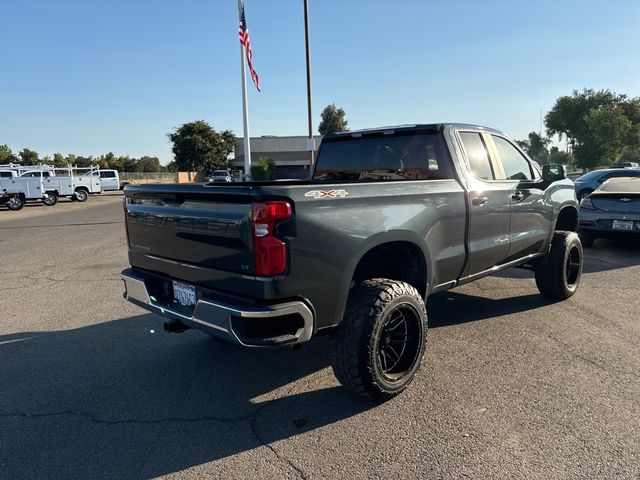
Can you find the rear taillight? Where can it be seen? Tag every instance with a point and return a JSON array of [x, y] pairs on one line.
[[587, 203], [269, 252], [126, 222]]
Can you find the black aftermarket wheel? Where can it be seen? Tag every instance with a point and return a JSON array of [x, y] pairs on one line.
[[380, 344], [559, 276]]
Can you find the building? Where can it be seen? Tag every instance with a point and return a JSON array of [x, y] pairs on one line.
[[290, 154]]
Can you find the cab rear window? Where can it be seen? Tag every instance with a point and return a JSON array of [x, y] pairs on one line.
[[383, 157]]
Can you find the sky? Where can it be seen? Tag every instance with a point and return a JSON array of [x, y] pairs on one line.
[[93, 76]]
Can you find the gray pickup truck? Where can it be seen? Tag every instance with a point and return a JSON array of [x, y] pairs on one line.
[[389, 217]]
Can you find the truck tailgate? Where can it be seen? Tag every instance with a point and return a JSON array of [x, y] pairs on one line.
[[204, 226]]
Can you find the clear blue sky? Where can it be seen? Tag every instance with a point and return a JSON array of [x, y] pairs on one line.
[[87, 77]]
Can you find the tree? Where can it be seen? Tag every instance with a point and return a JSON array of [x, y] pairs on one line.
[[557, 156], [599, 125], [333, 120], [536, 147], [28, 157], [148, 164], [59, 160], [197, 146], [5, 154], [265, 169]]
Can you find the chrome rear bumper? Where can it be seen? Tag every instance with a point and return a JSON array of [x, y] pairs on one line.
[[226, 318]]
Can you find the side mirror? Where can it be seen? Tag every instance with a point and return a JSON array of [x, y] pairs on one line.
[[554, 172]]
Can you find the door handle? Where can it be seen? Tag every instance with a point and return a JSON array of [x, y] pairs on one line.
[[518, 195], [479, 200]]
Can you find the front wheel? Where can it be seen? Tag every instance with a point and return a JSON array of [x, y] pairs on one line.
[[81, 195], [50, 199], [379, 346], [558, 277]]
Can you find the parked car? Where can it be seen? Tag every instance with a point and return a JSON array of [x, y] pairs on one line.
[[219, 176], [110, 179], [626, 165], [611, 211], [277, 263], [588, 182]]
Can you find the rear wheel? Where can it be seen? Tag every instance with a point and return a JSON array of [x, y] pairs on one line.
[[558, 277], [379, 346], [81, 195], [16, 203], [50, 199]]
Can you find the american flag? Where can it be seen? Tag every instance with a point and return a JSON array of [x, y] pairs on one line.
[[245, 41]]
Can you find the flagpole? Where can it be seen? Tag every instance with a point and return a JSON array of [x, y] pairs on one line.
[[245, 107]]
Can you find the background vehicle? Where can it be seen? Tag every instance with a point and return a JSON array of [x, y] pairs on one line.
[[16, 191], [77, 187], [219, 176], [8, 174], [627, 165], [275, 263], [611, 211], [110, 179], [588, 182]]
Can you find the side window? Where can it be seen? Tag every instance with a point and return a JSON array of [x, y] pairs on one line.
[[477, 155], [516, 167], [110, 174]]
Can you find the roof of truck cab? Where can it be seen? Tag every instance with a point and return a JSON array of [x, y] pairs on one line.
[[416, 126]]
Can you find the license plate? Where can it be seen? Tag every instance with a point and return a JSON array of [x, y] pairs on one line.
[[184, 294], [623, 225]]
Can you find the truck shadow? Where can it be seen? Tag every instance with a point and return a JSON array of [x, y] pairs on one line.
[[452, 308], [603, 256], [117, 401]]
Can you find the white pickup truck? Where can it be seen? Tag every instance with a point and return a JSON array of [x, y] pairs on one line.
[[77, 187], [16, 191]]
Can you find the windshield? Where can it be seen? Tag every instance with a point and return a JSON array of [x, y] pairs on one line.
[[382, 157], [220, 173]]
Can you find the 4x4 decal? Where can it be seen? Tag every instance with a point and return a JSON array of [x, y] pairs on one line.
[[326, 193]]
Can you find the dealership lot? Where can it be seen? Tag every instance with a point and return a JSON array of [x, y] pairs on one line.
[[512, 385]]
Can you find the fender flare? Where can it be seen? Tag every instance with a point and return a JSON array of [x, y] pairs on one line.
[[367, 245]]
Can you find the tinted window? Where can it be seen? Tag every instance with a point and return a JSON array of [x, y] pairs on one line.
[[477, 155], [6, 174], [378, 157], [515, 165], [107, 174]]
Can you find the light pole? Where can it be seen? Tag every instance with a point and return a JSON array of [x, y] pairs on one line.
[[308, 52]]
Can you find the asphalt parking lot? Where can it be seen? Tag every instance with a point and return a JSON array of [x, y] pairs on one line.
[[512, 386]]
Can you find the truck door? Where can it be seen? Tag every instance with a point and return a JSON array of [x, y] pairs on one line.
[[530, 217], [489, 206]]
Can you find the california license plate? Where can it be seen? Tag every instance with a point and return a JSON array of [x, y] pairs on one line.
[[624, 225], [184, 294]]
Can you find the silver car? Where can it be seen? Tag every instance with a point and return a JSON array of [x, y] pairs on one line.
[[611, 211], [219, 176]]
